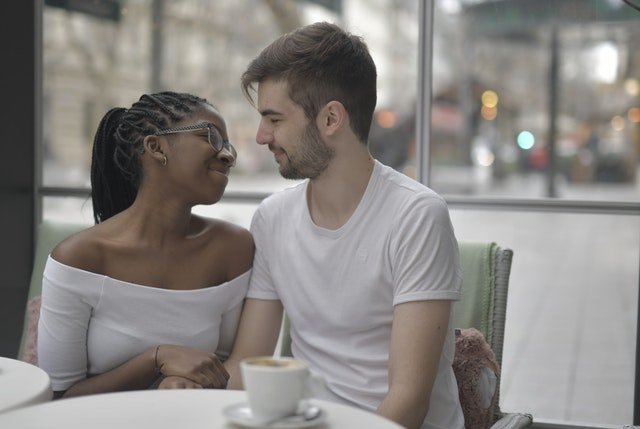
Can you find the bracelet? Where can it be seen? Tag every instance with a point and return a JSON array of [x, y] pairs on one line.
[[155, 359]]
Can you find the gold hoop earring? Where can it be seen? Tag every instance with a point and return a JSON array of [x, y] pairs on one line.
[[164, 160]]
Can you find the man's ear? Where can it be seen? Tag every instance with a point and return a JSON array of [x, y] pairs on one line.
[[153, 146], [333, 117]]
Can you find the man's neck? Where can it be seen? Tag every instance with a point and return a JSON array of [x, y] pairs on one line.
[[333, 197]]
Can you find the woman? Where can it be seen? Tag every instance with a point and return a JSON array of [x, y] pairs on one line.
[[150, 292]]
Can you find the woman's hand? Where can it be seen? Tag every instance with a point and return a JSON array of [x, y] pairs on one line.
[[175, 382], [202, 368]]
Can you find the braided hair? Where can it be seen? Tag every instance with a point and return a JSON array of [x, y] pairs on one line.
[[116, 170]]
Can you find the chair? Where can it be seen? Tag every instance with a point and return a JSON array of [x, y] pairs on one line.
[[486, 268], [49, 234]]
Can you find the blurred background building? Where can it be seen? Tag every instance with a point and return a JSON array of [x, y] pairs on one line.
[[533, 138]]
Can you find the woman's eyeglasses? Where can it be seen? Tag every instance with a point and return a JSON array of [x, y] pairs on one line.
[[214, 137]]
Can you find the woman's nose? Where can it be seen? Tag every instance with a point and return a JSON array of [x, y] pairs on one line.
[[228, 155]]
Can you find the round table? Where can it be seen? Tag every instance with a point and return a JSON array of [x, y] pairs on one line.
[[166, 409], [22, 384]]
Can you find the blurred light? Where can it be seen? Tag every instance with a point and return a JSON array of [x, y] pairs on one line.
[[634, 115], [606, 62], [483, 156], [451, 6], [489, 98], [386, 119], [632, 86], [526, 140], [617, 123], [489, 113], [123, 11]]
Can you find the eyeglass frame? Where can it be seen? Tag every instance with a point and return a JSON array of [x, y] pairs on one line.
[[225, 143]]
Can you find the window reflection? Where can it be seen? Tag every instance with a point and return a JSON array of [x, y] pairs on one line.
[[536, 99], [93, 61]]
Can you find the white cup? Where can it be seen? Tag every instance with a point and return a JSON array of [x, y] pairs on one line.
[[275, 386]]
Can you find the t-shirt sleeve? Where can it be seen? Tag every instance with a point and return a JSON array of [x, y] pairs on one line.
[[424, 252], [67, 302], [261, 286]]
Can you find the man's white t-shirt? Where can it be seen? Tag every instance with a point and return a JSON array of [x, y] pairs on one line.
[[339, 287]]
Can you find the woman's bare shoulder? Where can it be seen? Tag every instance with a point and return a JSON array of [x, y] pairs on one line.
[[81, 250], [236, 242]]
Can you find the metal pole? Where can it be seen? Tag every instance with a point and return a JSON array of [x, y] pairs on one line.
[[553, 113], [157, 18], [636, 401], [425, 90]]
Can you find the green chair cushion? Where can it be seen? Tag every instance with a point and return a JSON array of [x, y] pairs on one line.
[[475, 308]]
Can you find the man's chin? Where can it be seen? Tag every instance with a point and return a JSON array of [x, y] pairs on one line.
[[288, 173]]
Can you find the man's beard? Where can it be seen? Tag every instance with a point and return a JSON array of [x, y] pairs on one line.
[[310, 159]]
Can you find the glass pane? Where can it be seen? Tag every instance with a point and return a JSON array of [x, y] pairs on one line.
[[536, 99], [95, 59], [68, 210], [80, 210], [569, 350]]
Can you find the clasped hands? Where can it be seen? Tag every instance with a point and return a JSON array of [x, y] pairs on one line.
[[187, 368]]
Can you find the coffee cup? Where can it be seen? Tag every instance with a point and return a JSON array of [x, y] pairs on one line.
[[276, 386]]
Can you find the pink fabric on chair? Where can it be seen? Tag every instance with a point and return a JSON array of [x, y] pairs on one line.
[[478, 376], [30, 351]]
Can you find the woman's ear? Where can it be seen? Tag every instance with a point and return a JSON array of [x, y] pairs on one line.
[[153, 146], [333, 117]]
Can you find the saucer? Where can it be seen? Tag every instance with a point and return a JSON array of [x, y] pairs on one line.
[[240, 414]]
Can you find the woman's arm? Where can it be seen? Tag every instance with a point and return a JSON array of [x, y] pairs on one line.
[[195, 366], [137, 373]]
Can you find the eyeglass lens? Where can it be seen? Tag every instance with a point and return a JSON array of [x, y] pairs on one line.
[[218, 143]]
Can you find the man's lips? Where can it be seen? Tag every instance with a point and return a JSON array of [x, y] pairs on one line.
[[278, 153]]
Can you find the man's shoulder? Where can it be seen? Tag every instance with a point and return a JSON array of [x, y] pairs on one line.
[[406, 189], [284, 196]]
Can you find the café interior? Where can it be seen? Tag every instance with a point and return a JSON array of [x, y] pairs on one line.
[[524, 115]]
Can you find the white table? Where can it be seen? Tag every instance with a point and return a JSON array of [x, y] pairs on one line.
[[165, 409], [22, 384]]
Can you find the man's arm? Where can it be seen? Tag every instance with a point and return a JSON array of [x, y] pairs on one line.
[[257, 335], [417, 337]]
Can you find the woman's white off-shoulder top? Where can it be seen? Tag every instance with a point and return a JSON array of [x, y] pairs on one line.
[[90, 323]]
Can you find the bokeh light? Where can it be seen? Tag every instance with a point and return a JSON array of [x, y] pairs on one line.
[[489, 99], [489, 113], [617, 123], [386, 119], [526, 140], [634, 115], [632, 86]]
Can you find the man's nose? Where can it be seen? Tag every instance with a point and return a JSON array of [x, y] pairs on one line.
[[263, 135]]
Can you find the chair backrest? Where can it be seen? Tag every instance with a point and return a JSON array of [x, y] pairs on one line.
[[486, 268], [49, 234]]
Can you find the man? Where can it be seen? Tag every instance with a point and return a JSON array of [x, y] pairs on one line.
[[363, 259]]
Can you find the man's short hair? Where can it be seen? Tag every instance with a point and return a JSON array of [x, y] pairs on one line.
[[320, 63]]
